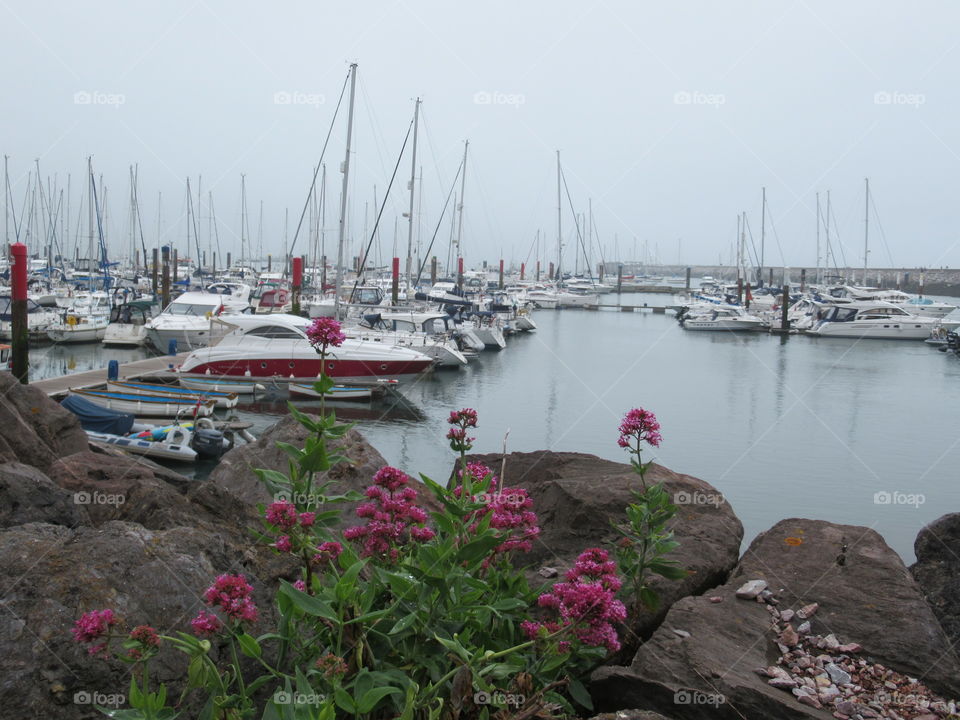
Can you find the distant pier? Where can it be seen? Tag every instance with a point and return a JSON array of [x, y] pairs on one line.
[[134, 370]]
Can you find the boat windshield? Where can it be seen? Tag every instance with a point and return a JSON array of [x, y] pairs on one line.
[[841, 314], [190, 309]]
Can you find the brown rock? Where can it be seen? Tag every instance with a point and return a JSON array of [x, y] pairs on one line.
[[27, 495]]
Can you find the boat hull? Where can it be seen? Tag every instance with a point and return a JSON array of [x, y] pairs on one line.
[[149, 406], [222, 399], [178, 451], [124, 335], [720, 325], [899, 330]]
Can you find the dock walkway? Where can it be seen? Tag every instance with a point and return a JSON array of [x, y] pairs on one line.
[[656, 309], [92, 378]]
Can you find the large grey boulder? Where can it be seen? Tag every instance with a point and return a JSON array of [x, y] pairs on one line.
[[937, 570]]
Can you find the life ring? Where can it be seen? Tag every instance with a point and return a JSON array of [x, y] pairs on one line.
[[71, 320]]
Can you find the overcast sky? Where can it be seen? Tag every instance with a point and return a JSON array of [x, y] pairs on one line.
[[670, 117]]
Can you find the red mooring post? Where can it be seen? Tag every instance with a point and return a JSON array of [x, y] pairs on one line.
[[501, 273], [396, 281], [21, 360], [523, 266], [537, 278], [297, 272], [460, 273]]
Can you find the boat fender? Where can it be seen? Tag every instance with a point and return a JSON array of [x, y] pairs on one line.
[[71, 320]]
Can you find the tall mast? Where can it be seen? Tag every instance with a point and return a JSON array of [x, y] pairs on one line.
[[343, 191], [463, 184], [866, 229], [763, 234], [243, 215], [827, 252], [323, 223], [556, 276], [817, 276], [6, 201], [413, 184], [90, 251]]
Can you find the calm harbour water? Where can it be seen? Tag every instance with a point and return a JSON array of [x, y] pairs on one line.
[[855, 432]]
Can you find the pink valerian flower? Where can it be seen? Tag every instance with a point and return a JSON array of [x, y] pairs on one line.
[[641, 425], [393, 518], [307, 519], [232, 594], [145, 635], [283, 514], [206, 624], [325, 332], [327, 552], [284, 544], [586, 603], [300, 585], [478, 471], [331, 665], [461, 419], [93, 626]]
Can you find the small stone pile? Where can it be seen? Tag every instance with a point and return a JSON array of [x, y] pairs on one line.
[[822, 672]]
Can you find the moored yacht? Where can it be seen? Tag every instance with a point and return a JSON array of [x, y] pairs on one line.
[[872, 320], [187, 319], [276, 347]]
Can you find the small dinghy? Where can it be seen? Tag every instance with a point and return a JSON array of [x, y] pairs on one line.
[[183, 443], [223, 399], [338, 392], [160, 406], [242, 385]]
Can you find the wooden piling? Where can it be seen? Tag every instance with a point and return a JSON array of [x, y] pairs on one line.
[[165, 277], [19, 333]]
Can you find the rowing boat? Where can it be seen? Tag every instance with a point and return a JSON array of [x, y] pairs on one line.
[[150, 405], [223, 399]]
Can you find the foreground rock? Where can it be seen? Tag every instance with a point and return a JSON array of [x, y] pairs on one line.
[[577, 497], [864, 595], [937, 570], [27, 495], [35, 430]]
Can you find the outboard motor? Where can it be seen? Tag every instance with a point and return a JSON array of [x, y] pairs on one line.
[[208, 443]]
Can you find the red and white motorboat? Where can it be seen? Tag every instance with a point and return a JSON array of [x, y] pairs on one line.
[[275, 347]]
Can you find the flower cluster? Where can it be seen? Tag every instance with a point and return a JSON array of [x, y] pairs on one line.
[[457, 435], [233, 595], [93, 626], [147, 643], [325, 332], [641, 425], [392, 517], [282, 514], [586, 603], [331, 665], [327, 552]]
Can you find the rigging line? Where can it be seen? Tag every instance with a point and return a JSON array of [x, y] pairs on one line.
[[836, 231], [383, 206], [576, 223], [433, 150], [136, 205], [376, 130], [773, 227], [453, 187], [756, 258], [883, 235], [313, 183]]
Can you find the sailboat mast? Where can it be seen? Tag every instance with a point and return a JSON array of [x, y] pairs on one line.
[[763, 234], [90, 211], [817, 275], [243, 216], [413, 184], [343, 192], [463, 185], [866, 229], [556, 275]]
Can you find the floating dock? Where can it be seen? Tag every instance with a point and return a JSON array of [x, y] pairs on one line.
[[656, 309], [137, 369]]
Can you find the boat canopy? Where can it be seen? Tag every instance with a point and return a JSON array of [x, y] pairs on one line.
[[95, 418]]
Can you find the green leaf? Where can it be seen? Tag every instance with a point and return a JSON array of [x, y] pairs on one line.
[[347, 582], [478, 548], [344, 701], [307, 603], [249, 645], [323, 385], [649, 598], [579, 693], [372, 697], [403, 623]]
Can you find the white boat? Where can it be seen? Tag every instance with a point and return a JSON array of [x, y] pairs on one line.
[[274, 348], [337, 392], [730, 318], [222, 399], [127, 326], [243, 385], [873, 320], [576, 298], [404, 330], [74, 328], [38, 320], [913, 304], [164, 406], [176, 446], [188, 319]]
